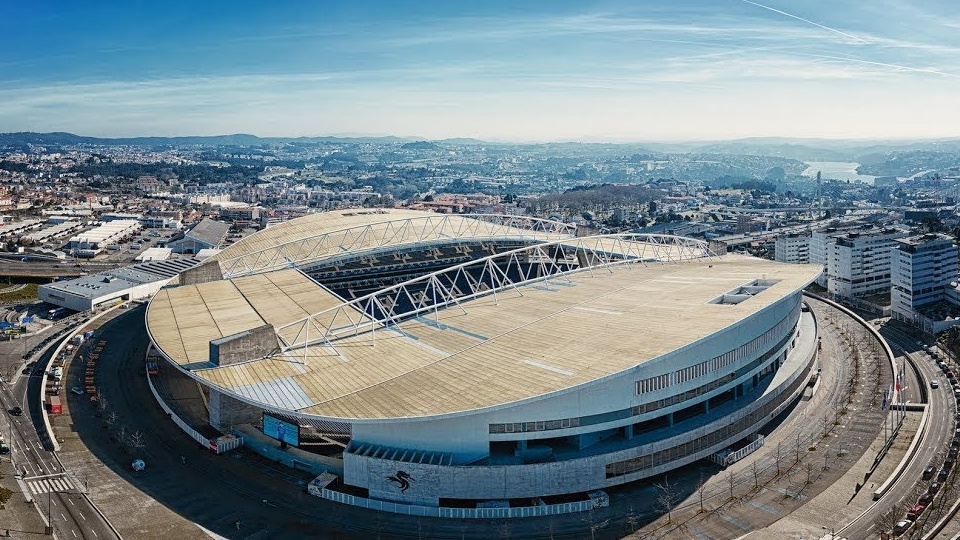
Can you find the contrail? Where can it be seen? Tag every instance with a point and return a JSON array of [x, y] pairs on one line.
[[872, 63], [808, 21]]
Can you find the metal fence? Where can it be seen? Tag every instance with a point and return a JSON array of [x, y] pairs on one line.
[[462, 513]]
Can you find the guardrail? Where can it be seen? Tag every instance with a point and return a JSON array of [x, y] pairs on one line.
[[462, 513], [194, 434], [217, 446]]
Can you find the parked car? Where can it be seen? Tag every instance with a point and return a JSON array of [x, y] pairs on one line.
[[138, 465], [915, 512], [934, 384], [934, 487], [16, 411], [902, 526], [943, 474], [925, 499], [77, 390], [4, 449], [928, 472]]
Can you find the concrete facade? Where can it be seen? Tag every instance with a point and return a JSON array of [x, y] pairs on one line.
[[922, 269], [858, 263], [248, 345], [451, 457], [792, 248]]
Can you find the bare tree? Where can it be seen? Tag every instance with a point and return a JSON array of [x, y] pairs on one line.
[[756, 474], [887, 520], [797, 449], [778, 458], [701, 488], [101, 402], [137, 440], [666, 493], [122, 435], [111, 419], [730, 481]]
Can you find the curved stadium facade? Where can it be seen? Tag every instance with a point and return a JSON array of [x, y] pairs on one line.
[[449, 361]]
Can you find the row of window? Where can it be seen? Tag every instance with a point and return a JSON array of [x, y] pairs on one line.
[[655, 459], [652, 384], [546, 425], [718, 363]]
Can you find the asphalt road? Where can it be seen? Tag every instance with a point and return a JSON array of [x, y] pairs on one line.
[[940, 431], [57, 494], [908, 488]]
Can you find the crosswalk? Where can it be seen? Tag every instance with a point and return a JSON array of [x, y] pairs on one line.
[[44, 485]]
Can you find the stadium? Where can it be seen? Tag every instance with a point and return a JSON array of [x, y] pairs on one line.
[[485, 366]]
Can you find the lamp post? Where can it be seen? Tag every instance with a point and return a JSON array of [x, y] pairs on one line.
[[49, 529]]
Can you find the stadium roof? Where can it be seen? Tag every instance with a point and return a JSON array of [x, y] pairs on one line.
[[329, 234], [541, 338]]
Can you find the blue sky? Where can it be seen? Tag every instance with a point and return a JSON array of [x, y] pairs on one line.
[[515, 71]]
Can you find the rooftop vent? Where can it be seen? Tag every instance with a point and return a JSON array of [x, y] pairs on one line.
[[745, 291]]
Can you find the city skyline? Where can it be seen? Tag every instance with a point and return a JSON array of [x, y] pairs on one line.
[[537, 72]]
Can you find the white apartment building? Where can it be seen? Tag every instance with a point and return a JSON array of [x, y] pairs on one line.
[[792, 248], [922, 270], [858, 263]]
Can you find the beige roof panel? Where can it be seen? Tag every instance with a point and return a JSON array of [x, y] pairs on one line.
[[543, 338]]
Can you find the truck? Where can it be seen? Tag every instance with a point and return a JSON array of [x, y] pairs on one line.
[[55, 406]]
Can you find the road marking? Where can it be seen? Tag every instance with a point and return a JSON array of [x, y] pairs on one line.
[[74, 533], [71, 502], [81, 515], [51, 485], [94, 533], [63, 516]]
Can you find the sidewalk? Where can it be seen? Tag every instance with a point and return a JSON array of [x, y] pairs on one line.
[[19, 517]]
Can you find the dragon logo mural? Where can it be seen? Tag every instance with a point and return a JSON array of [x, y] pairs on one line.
[[402, 479]]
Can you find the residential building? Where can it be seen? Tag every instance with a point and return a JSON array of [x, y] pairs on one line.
[[923, 269], [858, 263], [792, 248]]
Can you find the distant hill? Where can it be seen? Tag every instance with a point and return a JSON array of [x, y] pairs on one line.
[[810, 149], [420, 145], [238, 139]]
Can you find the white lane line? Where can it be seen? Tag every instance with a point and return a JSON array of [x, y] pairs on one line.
[[74, 533], [81, 515], [94, 533], [63, 516], [71, 502]]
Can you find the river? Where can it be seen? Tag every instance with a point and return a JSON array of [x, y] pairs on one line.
[[836, 170]]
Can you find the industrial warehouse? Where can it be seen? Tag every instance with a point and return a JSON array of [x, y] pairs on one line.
[[486, 366]]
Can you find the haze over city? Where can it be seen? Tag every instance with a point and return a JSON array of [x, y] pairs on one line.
[[535, 71]]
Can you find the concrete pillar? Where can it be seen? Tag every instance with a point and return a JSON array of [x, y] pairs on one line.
[[522, 445], [628, 431], [226, 411], [670, 419], [706, 406]]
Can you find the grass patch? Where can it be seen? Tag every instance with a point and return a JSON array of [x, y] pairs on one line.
[[28, 292]]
